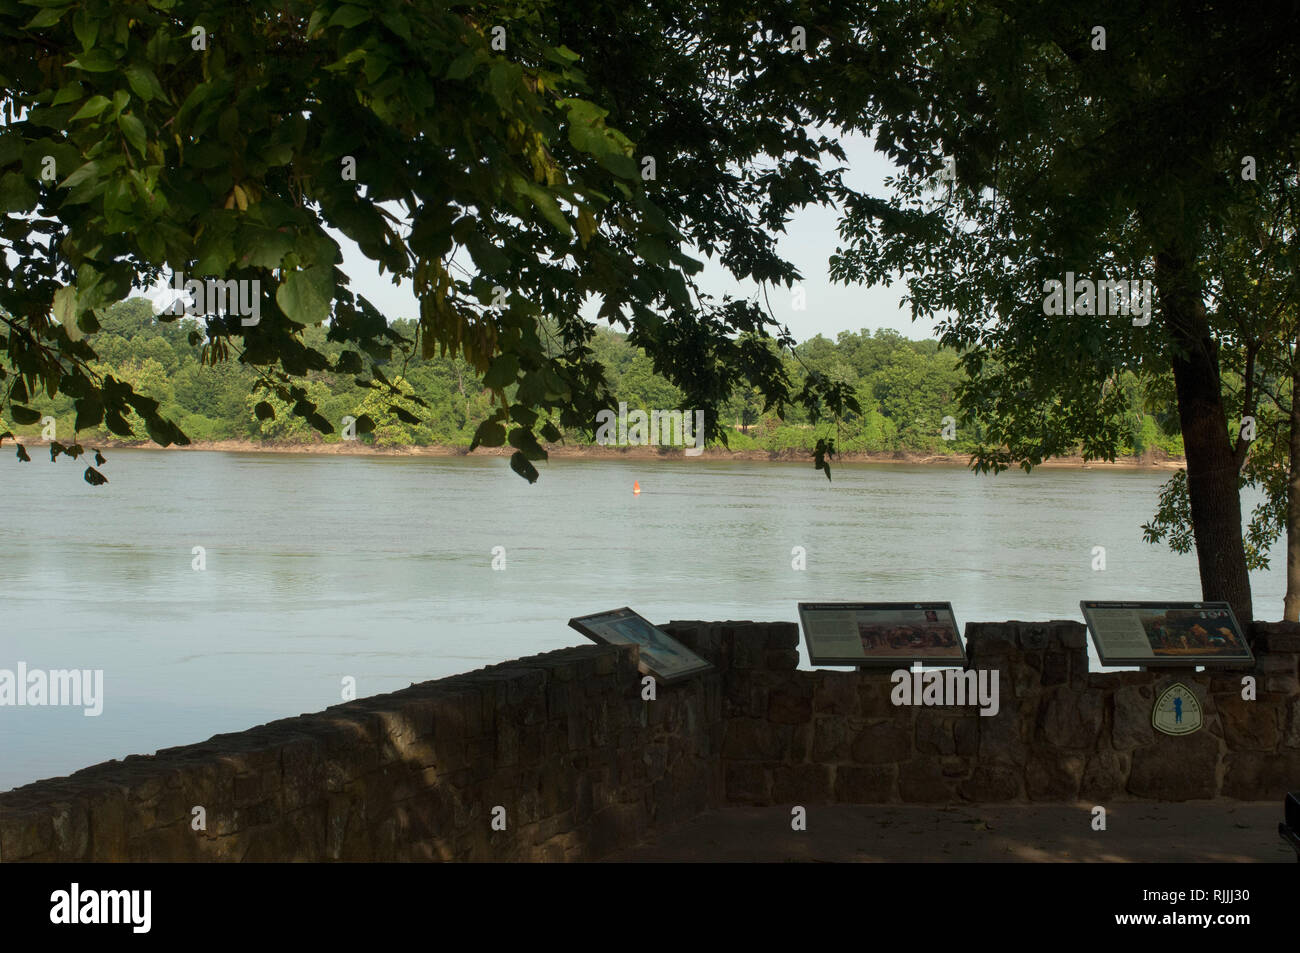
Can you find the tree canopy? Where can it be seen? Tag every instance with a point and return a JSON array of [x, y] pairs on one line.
[[470, 149], [1039, 145]]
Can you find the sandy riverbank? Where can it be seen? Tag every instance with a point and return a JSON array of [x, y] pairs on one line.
[[567, 452]]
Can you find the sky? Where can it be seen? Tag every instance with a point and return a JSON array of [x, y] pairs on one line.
[[810, 240]]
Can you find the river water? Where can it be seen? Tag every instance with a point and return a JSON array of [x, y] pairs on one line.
[[320, 568]]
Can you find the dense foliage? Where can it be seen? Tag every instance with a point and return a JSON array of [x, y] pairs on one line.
[[906, 388]]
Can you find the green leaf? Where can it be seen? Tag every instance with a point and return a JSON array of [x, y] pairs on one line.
[[365, 424], [47, 17], [267, 249], [490, 259], [90, 413], [65, 306], [145, 83], [502, 372], [462, 65], [398, 24], [86, 27], [94, 477], [306, 295], [545, 203], [25, 415], [588, 133], [349, 362], [404, 415], [525, 441], [93, 107], [87, 171], [500, 81], [67, 94], [95, 61], [519, 463], [16, 193], [264, 411], [133, 129], [490, 433], [348, 16]]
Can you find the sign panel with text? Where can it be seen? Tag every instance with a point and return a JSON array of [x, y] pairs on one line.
[[661, 655], [881, 633], [1167, 633]]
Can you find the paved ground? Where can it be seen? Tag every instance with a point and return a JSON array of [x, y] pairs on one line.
[[1231, 831]]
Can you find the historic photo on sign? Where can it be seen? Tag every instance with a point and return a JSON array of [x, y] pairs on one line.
[[863, 633], [1166, 633]]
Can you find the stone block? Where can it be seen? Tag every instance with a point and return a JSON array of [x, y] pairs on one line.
[[832, 738], [991, 783], [1069, 719], [1104, 775], [1053, 776], [836, 693], [1000, 738], [966, 735], [934, 733], [752, 739], [801, 784], [922, 780], [1250, 725], [791, 703], [1257, 776], [1131, 718], [1176, 768], [866, 784], [747, 783], [881, 744]]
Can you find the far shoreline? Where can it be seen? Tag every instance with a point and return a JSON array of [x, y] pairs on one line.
[[572, 452]]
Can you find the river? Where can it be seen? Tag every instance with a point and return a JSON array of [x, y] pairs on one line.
[[320, 568]]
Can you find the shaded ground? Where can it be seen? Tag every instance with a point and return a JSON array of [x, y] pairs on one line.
[[1232, 831]]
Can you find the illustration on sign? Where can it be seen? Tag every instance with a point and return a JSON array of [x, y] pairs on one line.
[[1177, 711]]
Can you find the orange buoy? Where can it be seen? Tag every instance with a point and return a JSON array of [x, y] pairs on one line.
[[636, 488]]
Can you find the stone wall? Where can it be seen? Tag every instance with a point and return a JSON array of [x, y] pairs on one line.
[[1062, 733], [562, 741], [583, 766]]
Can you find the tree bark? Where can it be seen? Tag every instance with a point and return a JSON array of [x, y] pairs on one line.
[[1291, 603], [1212, 468]]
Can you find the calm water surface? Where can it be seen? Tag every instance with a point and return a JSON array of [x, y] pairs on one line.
[[321, 567]]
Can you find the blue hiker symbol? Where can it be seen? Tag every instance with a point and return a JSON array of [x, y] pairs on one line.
[[1178, 709]]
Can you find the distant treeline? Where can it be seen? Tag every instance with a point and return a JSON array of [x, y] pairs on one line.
[[905, 388]]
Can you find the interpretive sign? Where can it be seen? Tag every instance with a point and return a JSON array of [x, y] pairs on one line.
[[661, 655], [881, 633], [1166, 633]]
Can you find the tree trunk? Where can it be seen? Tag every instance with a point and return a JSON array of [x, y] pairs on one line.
[[1291, 604], [1212, 469]]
